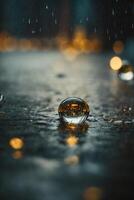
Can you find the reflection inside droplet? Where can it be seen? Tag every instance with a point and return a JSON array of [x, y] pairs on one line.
[[73, 110], [126, 73]]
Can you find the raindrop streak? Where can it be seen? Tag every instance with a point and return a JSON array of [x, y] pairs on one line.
[[126, 73], [113, 12], [1, 98], [73, 110], [29, 21], [46, 7]]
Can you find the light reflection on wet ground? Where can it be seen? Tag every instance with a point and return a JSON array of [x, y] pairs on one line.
[[43, 159]]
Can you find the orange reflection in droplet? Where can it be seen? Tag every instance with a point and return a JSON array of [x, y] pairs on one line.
[[16, 143], [115, 63], [118, 46], [93, 193], [72, 141]]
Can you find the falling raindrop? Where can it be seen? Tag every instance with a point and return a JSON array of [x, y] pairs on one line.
[[47, 7], [95, 30], [52, 14], [126, 11], [29, 21], [1, 98], [113, 12], [55, 21], [36, 20]]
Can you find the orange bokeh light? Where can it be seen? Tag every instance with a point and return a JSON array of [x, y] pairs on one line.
[[118, 46], [16, 143]]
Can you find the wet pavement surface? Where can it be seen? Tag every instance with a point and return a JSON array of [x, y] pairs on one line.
[[48, 160]]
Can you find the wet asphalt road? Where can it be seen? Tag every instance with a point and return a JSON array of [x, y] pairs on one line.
[[93, 162]]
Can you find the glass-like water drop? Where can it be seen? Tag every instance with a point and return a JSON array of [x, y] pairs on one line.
[[126, 72], [73, 110]]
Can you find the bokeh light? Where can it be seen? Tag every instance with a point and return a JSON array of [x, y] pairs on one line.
[[16, 143], [115, 63], [118, 46]]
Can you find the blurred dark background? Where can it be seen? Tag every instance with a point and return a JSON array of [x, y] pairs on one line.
[[108, 20]]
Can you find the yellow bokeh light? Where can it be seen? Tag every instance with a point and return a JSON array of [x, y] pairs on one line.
[[72, 141], [16, 143], [115, 63]]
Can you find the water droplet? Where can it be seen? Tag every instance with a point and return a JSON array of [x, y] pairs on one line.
[[73, 110], [126, 73]]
